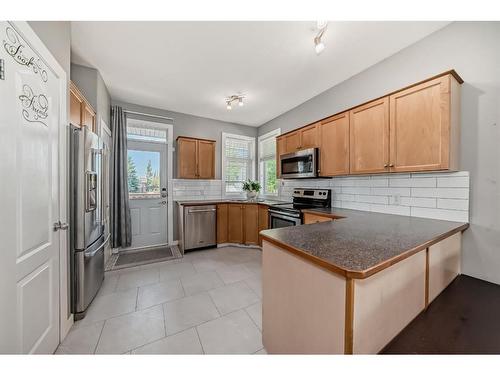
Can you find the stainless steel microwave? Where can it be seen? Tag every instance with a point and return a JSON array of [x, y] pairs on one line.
[[300, 164]]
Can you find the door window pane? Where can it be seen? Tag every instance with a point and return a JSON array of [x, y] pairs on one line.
[[143, 173]]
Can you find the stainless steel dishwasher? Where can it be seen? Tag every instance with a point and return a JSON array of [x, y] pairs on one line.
[[200, 223]]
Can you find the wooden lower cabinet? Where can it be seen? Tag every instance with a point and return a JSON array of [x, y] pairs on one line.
[[251, 224], [222, 223], [241, 223], [235, 223], [313, 219]]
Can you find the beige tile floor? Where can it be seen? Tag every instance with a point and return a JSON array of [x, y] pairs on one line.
[[208, 302]]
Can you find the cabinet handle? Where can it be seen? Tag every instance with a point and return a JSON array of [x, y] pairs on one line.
[[386, 165], [391, 165]]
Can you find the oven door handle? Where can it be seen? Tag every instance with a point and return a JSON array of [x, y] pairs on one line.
[[281, 216]]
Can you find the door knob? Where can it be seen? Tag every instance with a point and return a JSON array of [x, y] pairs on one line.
[[60, 226]]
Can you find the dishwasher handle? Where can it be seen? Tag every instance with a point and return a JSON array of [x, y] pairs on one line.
[[204, 210]]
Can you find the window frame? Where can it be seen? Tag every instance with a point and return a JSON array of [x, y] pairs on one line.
[[272, 134], [224, 161]]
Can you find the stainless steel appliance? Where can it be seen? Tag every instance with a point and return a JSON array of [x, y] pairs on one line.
[[289, 214], [300, 164], [200, 224], [86, 230]]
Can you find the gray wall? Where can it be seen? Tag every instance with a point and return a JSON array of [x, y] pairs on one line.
[[194, 126], [92, 86], [471, 48]]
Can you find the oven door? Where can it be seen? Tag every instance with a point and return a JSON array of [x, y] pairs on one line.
[[300, 164], [281, 220]]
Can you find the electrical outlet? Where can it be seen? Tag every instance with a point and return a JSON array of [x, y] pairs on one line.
[[396, 199]]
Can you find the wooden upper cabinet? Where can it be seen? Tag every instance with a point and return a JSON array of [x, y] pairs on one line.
[[303, 138], [423, 128], [235, 223], [81, 112], [292, 142], [251, 223], [186, 158], [222, 217], [195, 158], [369, 137], [334, 145], [206, 159], [280, 150], [309, 136]]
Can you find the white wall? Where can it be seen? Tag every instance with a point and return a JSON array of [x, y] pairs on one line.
[[471, 48]]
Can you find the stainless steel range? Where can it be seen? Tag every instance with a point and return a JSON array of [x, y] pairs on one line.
[[289, 214]]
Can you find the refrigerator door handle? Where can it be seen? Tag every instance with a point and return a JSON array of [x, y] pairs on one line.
[[92, 253]]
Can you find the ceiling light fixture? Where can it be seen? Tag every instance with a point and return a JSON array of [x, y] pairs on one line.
[[319, 46], [230, 99]]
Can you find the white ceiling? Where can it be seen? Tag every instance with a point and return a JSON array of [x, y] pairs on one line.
[[191, 67]]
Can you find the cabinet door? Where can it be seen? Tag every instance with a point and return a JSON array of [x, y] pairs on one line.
[[263, 220], [334, 145], [313, 219], [309, 137], [251, 223], [75, 108], [222, 223], [420, 127], [280, 149], [206, 159], [186, 158], [88, 117], [235, 223], [369, 137], [292, 142]]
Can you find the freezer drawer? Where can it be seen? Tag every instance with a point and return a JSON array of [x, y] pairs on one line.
[[200, 226]]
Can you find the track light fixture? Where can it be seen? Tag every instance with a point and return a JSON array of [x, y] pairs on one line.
[[318, 43], [230, 99]]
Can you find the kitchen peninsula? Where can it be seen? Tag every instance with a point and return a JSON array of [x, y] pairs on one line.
[[350, 285]]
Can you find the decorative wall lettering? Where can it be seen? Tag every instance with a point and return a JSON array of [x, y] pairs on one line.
[[35, 107], [15, 48]]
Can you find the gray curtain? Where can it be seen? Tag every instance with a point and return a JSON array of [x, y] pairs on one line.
[[121, 227]]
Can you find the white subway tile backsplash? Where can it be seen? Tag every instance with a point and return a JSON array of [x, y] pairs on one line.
[[441, 214], [390, 209], [416, 202], [413, 182], [404, 192], [438, 195], [355, 190], [453, 204], [459, 193], [453, 182], [372, 199]]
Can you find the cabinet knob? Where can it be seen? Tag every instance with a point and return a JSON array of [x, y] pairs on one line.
[[391, 165], [386, 165]]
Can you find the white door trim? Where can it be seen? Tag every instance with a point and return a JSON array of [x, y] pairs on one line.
[[65, 317]]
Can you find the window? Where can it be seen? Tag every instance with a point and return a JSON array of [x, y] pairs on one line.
[[267, 162], [238, 161], [146, 148]]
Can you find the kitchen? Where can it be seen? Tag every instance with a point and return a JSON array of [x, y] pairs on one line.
[[348, 209]]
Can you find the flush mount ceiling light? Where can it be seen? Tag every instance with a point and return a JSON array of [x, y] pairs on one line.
[[230, 99], [318, 43]]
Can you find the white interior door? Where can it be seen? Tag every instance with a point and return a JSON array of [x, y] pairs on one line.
[[33, 105], [148, 193]]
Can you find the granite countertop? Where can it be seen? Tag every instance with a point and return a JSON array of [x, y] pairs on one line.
[[359, 244], [267, 202]]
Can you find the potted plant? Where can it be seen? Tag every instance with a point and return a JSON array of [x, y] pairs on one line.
[[252, 188]]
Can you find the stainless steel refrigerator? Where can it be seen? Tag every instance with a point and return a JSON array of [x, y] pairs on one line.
[[87, 220]]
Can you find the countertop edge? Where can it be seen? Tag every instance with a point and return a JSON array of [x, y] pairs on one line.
[[207, 203], [352, 274]]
